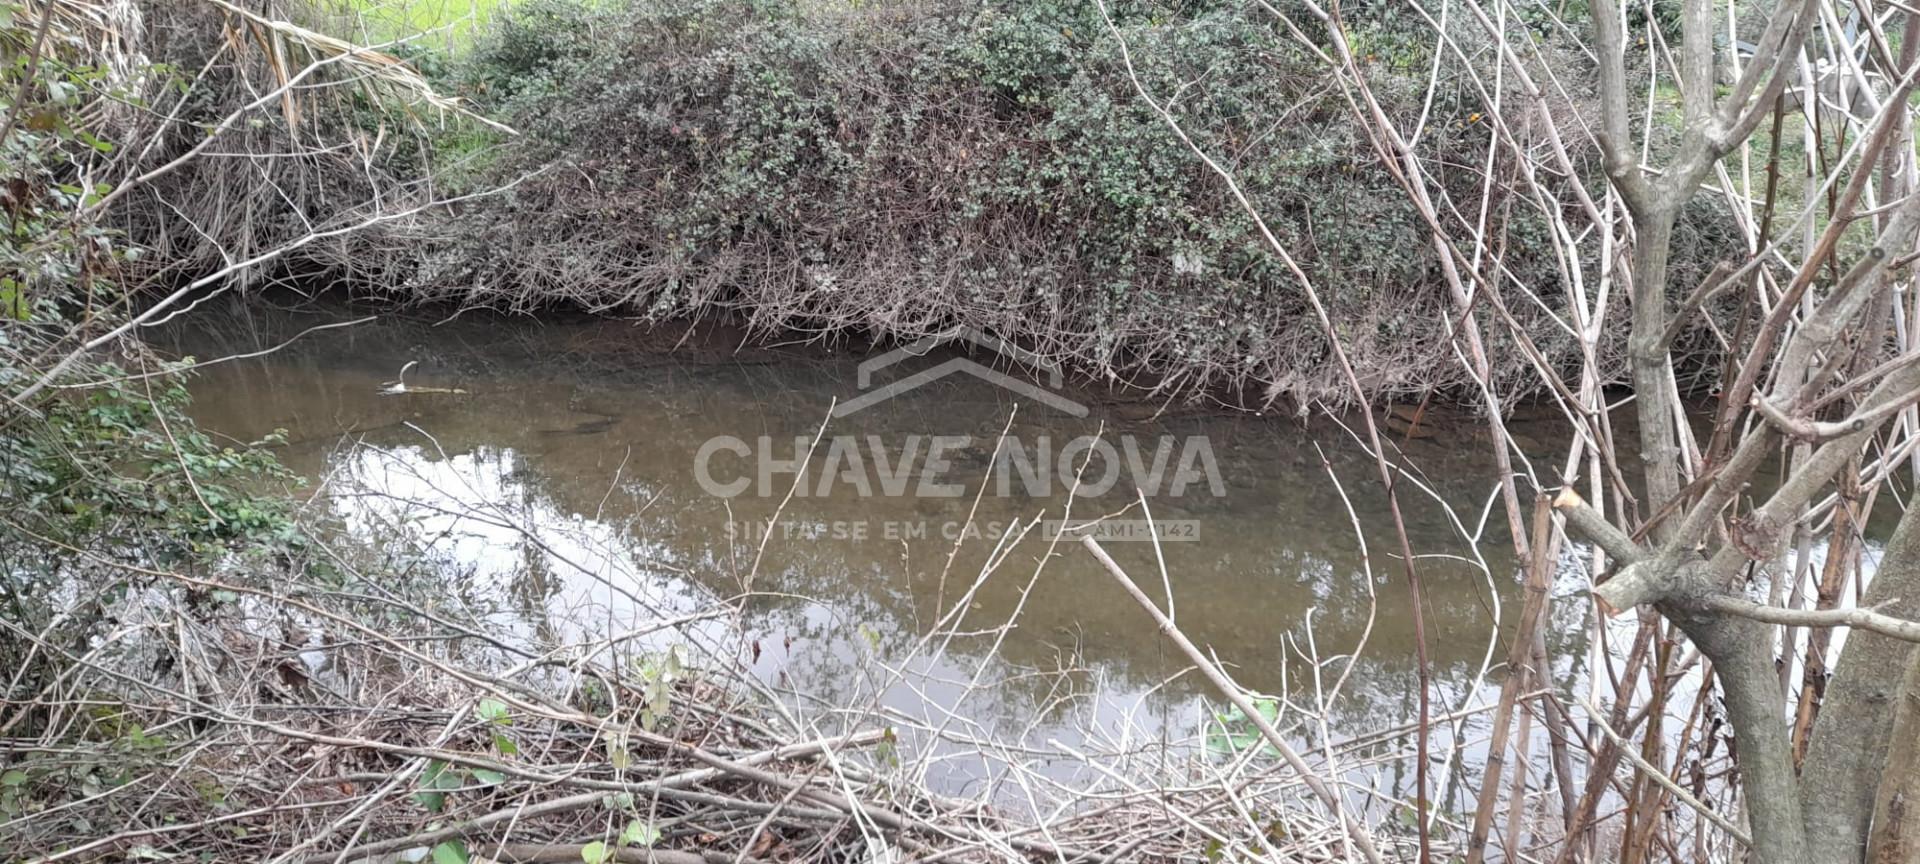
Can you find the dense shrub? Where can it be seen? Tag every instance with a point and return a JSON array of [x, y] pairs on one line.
[[900, 168], [102, 472]]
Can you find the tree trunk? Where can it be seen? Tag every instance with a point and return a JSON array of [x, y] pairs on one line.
[[1818, 666], [1845, 759], [1896, 812], [1752, 690], [1653, 400]]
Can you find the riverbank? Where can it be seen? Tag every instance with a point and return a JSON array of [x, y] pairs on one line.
[[890, 173], [349, 719], [481, 605]]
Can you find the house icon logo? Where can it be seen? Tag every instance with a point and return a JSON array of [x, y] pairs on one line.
[[963, 335]]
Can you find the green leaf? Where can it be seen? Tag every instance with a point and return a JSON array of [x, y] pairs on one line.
[[889, 749], [490, 778], [505, 745], [639, 833], [14, 777], [91, 141], [435, 777], [449, 781], [13, 300], [450, 852], [595, 853], [493, 711], [1411, 817]]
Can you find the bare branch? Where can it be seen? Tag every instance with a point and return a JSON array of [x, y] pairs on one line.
[[1654, 773], [1589, 523], [1772, 62], [1616, 136], [1357, 832], [1722, 275], [1863, 619]]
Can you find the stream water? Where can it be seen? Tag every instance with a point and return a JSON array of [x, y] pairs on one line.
[[578, 472]]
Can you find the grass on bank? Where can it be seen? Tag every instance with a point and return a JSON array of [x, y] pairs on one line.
[[449, 25]]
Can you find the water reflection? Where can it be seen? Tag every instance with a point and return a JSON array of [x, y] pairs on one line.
[[560, 485]]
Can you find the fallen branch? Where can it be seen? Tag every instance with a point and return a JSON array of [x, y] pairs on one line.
[[557, 853], [1356, 832]]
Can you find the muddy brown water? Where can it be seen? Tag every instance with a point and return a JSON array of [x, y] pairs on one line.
[[555, 472]]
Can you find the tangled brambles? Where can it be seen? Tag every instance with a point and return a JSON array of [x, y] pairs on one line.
[[894, 171], [332, 713], [897, 170]]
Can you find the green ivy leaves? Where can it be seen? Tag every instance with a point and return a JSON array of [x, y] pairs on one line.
[[435, 780], [494, 713], [1232, 732], [638, 833]]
